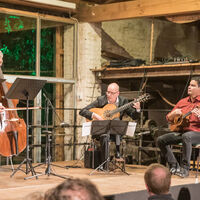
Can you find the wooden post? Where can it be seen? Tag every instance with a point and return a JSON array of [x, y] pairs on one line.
[[151, 42], [59, 140]]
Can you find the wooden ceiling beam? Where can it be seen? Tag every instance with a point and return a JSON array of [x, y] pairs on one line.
[[137, 8]]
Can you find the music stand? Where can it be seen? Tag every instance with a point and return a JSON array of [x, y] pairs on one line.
[[108, 127], [25, 89]]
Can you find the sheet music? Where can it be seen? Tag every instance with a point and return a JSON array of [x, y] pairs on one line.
[[131, 128], [86, 128]]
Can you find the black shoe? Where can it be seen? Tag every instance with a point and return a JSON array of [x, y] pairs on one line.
[[117, 155], [174, 170], [183, 173]]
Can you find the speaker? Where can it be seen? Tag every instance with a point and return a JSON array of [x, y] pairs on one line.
[[88, 159]]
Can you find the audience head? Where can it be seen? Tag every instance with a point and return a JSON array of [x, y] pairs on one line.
[[184, 194], [35, 196], [157, 179], [74, 189]]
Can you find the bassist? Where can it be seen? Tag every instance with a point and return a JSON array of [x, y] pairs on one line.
[[111, 97], [188, 134]]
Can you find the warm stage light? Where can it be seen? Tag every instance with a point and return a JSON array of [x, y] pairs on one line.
[[55, 3]]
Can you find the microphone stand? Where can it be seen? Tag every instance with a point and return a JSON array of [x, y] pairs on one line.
[[62, 123], [48, 133]]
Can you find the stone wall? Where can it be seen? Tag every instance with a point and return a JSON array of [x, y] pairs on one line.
[[87, 87], [169, 39]]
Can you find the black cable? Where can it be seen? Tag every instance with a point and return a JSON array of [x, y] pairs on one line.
[[188, 80], [142, 82]]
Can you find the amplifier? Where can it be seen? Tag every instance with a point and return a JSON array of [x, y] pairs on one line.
[[88, 159]]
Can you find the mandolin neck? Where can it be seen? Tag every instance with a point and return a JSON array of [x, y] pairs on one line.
[[188, 113]]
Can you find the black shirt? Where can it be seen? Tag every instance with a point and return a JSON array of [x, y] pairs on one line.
[[161, 197]]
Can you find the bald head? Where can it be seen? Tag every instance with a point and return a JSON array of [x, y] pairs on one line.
[[112, 92], [113, 87]]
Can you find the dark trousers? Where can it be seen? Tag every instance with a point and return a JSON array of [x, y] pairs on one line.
[[187, 139], [104, 142]]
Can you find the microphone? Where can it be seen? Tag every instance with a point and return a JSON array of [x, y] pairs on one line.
[[64, 124]]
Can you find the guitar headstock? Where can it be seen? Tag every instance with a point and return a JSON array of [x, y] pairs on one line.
[[143, 97]]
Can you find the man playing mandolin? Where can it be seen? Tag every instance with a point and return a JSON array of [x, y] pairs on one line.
[[112, 97], [185, 127]]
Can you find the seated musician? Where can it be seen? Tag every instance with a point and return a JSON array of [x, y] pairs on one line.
[[187, 132], [111, 97]]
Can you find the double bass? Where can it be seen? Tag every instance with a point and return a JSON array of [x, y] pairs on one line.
[[12, 128]]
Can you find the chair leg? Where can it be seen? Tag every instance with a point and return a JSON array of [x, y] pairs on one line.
[[11, 162]]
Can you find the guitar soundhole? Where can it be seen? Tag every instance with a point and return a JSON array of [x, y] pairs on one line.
[[107, 114]]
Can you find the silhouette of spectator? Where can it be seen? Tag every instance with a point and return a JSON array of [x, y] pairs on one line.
[[158, 180], [184, 194], [35, 196], [74, 189]]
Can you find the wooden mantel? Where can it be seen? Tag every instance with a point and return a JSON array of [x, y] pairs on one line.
[[148, 71]]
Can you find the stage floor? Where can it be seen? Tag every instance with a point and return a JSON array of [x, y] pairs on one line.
[[108, 183]]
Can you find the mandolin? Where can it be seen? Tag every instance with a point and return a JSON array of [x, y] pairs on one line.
[[111, 111], [182, 121]]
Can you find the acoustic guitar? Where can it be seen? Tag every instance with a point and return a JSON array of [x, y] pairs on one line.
[[111, 111], [182, 121]]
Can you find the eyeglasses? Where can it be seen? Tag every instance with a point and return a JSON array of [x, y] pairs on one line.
[[111, 93]]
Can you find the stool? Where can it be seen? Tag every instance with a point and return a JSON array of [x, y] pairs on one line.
[[119, 163]]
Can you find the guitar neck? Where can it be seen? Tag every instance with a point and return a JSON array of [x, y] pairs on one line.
[[124, 107]]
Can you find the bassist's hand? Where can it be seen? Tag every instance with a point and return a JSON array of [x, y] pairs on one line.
[[96, 116], [2, 108]]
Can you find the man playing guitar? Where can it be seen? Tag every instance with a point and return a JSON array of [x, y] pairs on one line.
[[186, 111], [111, 97]]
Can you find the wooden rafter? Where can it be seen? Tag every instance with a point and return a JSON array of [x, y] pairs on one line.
[[137, 8]]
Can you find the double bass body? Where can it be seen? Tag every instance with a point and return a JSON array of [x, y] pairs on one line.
[[12, 128]]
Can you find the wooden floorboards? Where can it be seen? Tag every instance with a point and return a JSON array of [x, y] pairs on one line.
[[108, 183]]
